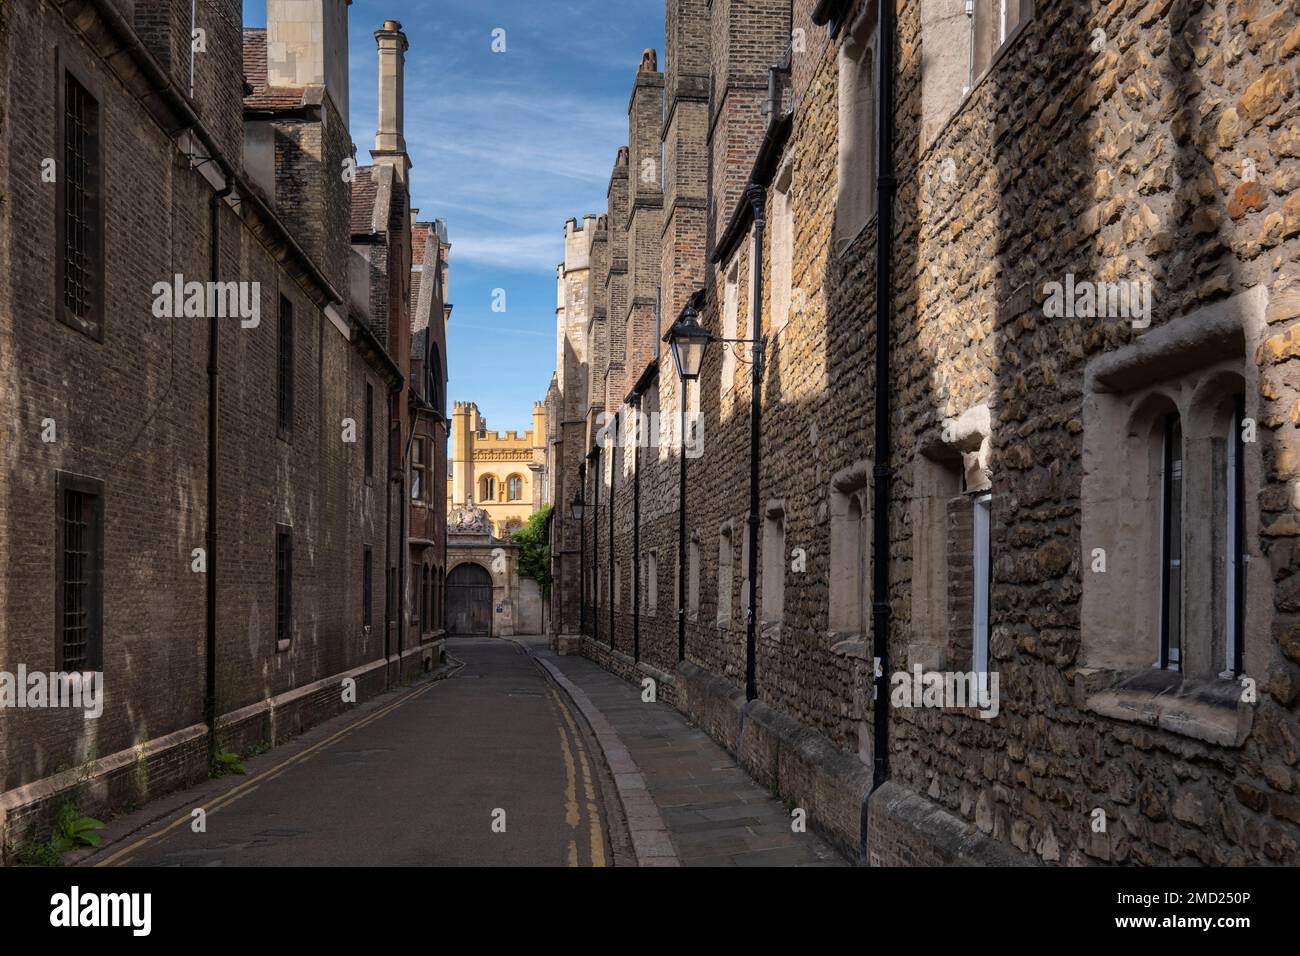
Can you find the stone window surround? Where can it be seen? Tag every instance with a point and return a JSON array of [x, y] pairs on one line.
[[859, 37], [781, 248], [693, 577], [951, 462], [1121, 395], [847, 484], [774, 515], [651, 582], [726, 562], [1013, 38]]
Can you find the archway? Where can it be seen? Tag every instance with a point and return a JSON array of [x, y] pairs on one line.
[[469, 601]]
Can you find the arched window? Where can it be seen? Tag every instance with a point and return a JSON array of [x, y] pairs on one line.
[[514, 488], [487, 488]]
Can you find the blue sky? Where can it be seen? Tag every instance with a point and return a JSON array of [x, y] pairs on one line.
[[505, 147]]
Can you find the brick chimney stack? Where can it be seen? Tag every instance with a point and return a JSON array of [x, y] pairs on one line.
[[390, 143]]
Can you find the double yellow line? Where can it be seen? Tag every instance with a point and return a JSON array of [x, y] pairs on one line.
[[572, 815], [123, 855]]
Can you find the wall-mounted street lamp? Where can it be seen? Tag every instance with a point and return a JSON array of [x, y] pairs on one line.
[[689, 341]]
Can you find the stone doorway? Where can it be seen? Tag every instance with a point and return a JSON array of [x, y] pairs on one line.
[[469, 601]]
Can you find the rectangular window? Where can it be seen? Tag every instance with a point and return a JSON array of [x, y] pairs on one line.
[[284, 370], [367, 585], [283, 585], [725, 558], [652, 582], [855, 198], [417, 470], [80, 597], [730, 312], [773, 570], [981, 566], [1171, 536], [693, 579], [369, 437], [782, 248], [1235, 589], [992, 24], [79, 226]]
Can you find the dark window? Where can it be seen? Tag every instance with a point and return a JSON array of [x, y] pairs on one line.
[[80, 588], [370, 430], [283, 583], [424, 599], [1237, 552], [284, 377], [1171, 524], [417, 470], [79, 226], [367, 585]]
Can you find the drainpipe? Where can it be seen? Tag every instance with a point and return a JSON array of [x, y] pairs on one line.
[[636, 531], [210, 622], [881, 472], [401, 549], [613, 483], [388, 547], [756, 195], [582, 553], [681, 523], [595, 552]]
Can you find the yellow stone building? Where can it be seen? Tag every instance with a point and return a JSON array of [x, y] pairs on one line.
[[503, 473]]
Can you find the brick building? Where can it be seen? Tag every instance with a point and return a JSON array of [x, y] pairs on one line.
[[235, 590], [1080, 496]]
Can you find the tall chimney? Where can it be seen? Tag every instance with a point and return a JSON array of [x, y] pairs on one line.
[[390, 143]]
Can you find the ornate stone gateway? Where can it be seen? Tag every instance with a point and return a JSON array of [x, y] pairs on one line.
[[469, 601]]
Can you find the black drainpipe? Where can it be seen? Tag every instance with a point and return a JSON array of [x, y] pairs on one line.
[[757, 196], [388, 542], [404, 505], [595, 551], [210, 622], [881, 472], [636, 530], [613, 498]]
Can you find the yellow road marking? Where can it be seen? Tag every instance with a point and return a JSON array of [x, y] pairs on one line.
[[252, 784], [593, 814]]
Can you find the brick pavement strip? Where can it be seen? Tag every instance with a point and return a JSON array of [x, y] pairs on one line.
[[685, 799]]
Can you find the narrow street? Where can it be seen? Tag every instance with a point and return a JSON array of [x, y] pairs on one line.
[[381, 789]]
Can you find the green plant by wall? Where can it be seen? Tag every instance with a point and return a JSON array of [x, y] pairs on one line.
[[225, 764], [71, 829], [534, 541]]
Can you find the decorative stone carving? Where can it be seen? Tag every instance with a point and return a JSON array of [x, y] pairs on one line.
[[468, 519]]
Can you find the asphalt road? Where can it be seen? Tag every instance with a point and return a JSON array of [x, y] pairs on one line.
[[429, 780]]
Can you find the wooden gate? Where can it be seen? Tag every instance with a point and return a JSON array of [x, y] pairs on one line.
[[469, 600]]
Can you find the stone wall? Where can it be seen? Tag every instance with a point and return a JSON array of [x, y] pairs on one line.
[[1129, 142]]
